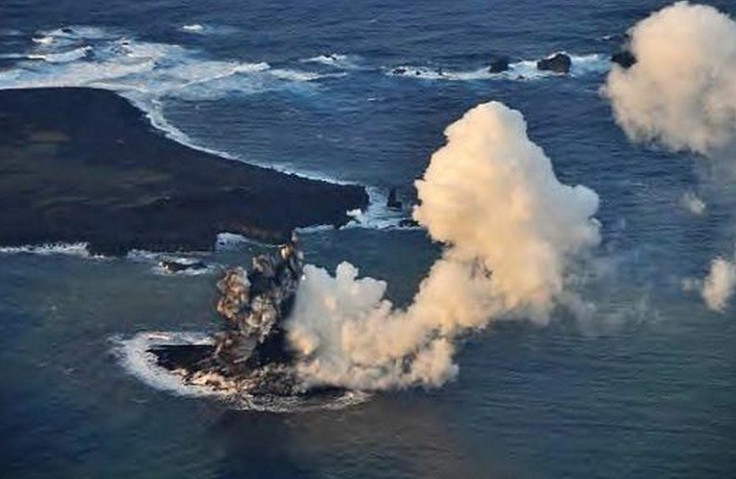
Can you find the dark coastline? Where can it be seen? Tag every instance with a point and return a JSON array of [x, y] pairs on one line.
[[79, 164]]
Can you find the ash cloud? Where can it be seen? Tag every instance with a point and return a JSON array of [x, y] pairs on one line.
[[681, 93], [510, 231]]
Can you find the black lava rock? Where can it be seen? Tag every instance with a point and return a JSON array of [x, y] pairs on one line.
[[498, 64], [174, 266], [558, 63], [624, 58], [392, 201]]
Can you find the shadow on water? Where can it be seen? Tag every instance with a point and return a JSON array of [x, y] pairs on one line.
[[397, 435]]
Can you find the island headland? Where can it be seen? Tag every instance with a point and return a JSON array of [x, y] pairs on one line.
[[85, 165]]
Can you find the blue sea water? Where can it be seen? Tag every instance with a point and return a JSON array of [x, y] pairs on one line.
[[645, 390]]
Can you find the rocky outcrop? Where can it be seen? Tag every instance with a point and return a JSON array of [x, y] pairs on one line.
[[498, 64], [177, 266], [558, 63], [624, 58], [392, 201]]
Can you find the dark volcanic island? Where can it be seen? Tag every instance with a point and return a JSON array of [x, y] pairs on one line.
[[248, 363], [84, 165], [250, 356]]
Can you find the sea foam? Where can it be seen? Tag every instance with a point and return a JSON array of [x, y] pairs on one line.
[[69, 249]]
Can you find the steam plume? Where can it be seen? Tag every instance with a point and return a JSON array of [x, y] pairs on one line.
[[692, 203], [509, 228], [681, 93], [720, 283]]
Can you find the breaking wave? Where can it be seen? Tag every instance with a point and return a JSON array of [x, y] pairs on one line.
[[192, 266], [133, 353], [193, 28], [61, 57], [232, 241], [43, 40], [80, 250], [335, 60], [88, 57], [207, 29], [378, 215], [69, 249], [302, 76]]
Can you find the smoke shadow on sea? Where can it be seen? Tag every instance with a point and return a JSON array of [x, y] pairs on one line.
[[414, 439]]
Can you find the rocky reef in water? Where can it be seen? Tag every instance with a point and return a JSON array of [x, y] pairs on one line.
[[84, 165], [557, 63]]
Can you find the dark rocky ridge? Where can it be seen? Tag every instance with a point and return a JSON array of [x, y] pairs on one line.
[[80, 164]]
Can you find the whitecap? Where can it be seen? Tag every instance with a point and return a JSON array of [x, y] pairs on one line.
[[335, 60], [208, 29], [45, 40], [297, 75], [232, 241], [193, 28], [589, 64], [252, 67], [319, 228], [61, 57], [70, 249]]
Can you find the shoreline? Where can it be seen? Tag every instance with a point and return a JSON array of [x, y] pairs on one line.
[[86, 165]]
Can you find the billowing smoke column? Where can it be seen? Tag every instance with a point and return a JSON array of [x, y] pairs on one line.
[[509, 228], [681, 92]]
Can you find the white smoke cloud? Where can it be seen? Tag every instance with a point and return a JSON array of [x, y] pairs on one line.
[[692, 203], [720, 283], [681, 93], [510, 229]]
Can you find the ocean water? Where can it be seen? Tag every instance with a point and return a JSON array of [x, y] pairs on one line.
[[645, 389]]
